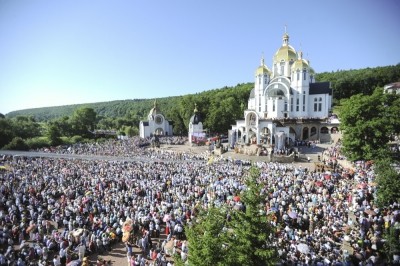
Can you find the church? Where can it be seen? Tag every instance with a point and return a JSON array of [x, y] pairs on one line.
[[156, 124], [196, 131], [286, 103]]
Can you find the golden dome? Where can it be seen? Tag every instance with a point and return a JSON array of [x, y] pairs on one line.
[[300, 63], [261, 70], [285, 53]]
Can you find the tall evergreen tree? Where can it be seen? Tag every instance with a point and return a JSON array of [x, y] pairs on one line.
[[206, 239], [252, 230], [243, 239]]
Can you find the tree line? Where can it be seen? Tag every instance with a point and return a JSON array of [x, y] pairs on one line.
[[219, 108], [345, 83]]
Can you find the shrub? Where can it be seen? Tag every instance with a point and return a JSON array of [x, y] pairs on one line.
[[18, 144], [38, 142]]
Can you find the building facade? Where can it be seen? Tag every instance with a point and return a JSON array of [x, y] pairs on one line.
[[196, 131], [286, 104], [393, 88], [156, 124]]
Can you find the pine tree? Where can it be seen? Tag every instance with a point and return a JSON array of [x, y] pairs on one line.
[[206, 238], [252, 231], [226, 236]]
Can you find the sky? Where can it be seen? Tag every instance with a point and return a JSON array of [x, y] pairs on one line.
[[72, 51]]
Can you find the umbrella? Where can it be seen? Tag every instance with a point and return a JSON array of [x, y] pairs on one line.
[[74, 263], [327, 177], [303, 248], [362, 185], [217, 182], [359, 256], [77, 232], [23, 243], [292, 215], [125, 236], [53, 224], [167, 218], [273, 209], [236, 198], [238, 207], [319, 183], [30, 228], [127, 226], [169, 246], [370, 212]]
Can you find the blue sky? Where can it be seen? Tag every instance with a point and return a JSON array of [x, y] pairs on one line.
[[70, 52]]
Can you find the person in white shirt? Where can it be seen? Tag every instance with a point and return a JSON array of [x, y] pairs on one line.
[[56, 261], [81, 251]]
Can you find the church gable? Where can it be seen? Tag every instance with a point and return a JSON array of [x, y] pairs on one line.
[[320, 88]]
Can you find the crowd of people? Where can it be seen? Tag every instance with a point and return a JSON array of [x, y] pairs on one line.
[[53, 211], [132, 148]]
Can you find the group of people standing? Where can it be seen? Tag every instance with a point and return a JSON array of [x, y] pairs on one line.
[[53, 211]]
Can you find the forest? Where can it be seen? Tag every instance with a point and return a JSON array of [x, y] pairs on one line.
[[219, 108]]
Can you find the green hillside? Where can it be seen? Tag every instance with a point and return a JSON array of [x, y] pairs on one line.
[[345, 83], [219, 108]]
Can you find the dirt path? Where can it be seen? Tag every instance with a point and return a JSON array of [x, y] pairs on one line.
[[118, 254]]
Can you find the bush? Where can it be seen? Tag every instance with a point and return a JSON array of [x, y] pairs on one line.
[[66, 140], [38, 142], [17, 144], [77, 139]]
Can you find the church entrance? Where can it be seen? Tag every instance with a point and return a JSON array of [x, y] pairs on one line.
[[159, 132], [252, 136], [305, 133]]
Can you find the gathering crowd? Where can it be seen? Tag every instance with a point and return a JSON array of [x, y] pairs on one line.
[[54, 211]]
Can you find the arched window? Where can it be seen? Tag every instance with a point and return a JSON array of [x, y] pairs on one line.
[[324, 130], [320, 104], [291, 104], [298, 74], [304, 74], [313, 131], [315, 105]]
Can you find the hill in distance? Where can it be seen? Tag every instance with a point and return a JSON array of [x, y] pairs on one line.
[[345, 83]]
